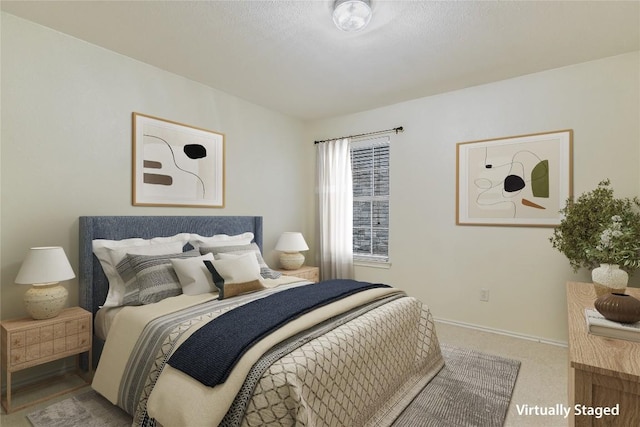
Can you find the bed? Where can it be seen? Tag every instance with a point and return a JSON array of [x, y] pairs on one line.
[[352, 354]]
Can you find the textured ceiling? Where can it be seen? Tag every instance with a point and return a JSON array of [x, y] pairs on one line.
[[289, 57]]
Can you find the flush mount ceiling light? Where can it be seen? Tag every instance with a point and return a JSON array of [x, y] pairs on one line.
[[351, 15]]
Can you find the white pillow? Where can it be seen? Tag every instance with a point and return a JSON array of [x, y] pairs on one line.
[[241, 268], [108, 250], [198, 241], [220, 252], [193, 274], [235, 276]]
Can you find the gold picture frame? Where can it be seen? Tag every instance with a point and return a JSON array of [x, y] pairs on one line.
[[522, 180], [176, 164]]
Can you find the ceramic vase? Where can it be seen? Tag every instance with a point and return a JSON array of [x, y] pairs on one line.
[[619, 307], [609, 278]]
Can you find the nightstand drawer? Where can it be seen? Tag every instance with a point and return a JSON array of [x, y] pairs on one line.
[[77, 342], [18, 356], [71, 327], [58, 330], [31, 342], [59, 345], [17, 339], [46, 333], [310, 273]]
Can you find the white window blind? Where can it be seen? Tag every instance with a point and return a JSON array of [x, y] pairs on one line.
[[370, 169]]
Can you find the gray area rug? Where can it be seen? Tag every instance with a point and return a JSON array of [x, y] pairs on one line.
[[87, 410], [473, 389]]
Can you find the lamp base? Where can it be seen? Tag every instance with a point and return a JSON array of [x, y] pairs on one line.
[[291, 260], [45, 301]]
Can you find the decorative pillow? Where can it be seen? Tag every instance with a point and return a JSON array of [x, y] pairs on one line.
[[119, 254], [221, 252], [104, 248], [235, 276], [194, 276], [198, 241], [150, 278]]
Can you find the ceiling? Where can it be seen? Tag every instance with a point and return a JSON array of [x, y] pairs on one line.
[[288, 56]]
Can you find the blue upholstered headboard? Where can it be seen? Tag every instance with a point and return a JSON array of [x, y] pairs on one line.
[[92, 281]]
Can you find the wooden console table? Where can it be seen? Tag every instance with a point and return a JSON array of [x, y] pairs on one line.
[[603, 372]]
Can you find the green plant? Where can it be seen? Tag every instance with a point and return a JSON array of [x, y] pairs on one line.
[[618, 244], [600, 228]]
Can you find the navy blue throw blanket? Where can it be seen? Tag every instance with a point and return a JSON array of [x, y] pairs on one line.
[[212, 351]]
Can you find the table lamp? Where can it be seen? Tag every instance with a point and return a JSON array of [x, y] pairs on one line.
[[290, 244], [43, 268]]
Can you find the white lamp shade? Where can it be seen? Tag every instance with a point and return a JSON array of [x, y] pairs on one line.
[[351, 15], [291, 241], [45, 265]]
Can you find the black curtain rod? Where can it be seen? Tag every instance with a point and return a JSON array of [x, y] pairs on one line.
[[396, 130]]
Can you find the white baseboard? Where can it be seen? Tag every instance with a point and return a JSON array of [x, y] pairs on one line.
[[502, 332]]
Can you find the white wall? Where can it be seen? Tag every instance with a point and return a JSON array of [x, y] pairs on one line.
[[66, 146], [447, 265]]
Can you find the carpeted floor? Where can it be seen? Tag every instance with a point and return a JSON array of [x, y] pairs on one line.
[[473, 389]]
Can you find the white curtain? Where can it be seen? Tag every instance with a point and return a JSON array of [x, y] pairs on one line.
[[336, 209]]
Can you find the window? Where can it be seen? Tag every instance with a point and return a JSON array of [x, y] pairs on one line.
[[370, 169]]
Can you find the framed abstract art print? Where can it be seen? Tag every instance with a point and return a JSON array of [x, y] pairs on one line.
[[176, 164], [520, 180]]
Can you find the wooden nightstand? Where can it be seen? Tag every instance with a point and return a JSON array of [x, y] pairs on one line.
[[305, 272], [27, 343]]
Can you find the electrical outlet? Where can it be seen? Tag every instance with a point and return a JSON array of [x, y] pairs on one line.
[[484, 294]]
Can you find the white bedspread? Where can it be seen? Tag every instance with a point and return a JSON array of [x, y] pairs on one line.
[[382, 359]]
